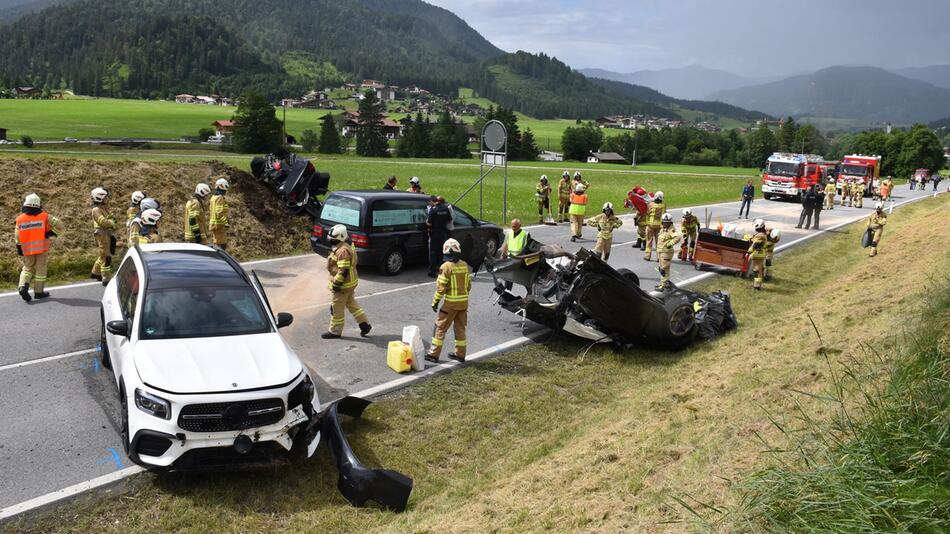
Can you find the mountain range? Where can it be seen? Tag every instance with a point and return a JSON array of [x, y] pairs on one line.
[[157, 48], [693, 82]]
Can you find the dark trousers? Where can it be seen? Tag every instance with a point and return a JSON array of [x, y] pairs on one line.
[[805, 217], [817, 215], [746, 204], [435, 251]]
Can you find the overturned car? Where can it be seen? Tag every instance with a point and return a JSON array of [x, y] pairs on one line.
[[295, 180], [582, 295]]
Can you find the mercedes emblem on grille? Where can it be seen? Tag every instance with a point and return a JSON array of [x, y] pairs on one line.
[[233, 384], [234, 415]]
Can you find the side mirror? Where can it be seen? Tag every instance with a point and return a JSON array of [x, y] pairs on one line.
[[284, 319], [118, 328]]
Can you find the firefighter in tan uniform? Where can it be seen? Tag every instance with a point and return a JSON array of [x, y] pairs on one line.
[[543, 196], [564, 190], [857, 194], [774, 235], [667, 239], [148, 232], [654, 219], [689, 226], [103, 225], [219, 222], [876, 223], [32, 231], [757, 253], [605, 223], [341, 263], [134, 209], [453, 284], [830, 195], [196, 216]]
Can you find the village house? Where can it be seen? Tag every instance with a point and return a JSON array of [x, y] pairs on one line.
[[185, 98], [605, 157], [26, 92], [223, 127]]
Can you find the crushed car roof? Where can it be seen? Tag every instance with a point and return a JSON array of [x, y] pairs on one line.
[[169, 269]]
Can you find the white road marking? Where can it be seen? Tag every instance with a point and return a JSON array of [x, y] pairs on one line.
[[50, 498], [47, 359]]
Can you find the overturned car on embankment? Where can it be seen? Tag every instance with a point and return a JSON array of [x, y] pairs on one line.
[[582, 295]]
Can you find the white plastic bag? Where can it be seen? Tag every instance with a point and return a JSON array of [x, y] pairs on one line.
[[413, 337]]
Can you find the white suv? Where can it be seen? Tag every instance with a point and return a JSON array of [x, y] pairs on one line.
[[204, 377]]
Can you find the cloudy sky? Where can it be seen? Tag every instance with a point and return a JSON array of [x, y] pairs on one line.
[[750, 37]]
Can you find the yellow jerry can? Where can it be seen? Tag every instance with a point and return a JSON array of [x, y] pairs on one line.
[[399, 356]]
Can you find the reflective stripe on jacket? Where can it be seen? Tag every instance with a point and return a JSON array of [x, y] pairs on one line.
[[578, 204], [341, 263], [219, 211], [605, 225], [655, 213], [102, 222], [196, 221], [31, 233], [757, 247], [453, 284]]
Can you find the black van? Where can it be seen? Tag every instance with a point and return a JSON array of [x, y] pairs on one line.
[[388, 229]]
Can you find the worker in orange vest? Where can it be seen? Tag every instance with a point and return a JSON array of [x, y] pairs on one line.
[[577, 211], [33, 230]]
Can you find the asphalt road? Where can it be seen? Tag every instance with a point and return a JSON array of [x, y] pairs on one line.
[[60, 413]]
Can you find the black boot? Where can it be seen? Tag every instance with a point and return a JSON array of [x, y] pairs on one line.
[[24, 292], [456, 357], [365, 328], [95, 276], [330, 335], [431, 358], [41, 295]]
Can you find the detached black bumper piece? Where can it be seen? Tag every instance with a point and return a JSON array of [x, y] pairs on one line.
[[357, 482]]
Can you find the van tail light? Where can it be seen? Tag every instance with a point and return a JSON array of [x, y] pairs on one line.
[[361, 241], [317, 231], [310, 168]]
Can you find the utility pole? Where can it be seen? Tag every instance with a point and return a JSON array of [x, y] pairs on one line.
[[283, 141]]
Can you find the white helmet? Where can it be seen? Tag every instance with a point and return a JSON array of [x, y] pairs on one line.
[[32, 201], [758, 224], [99, 194], [667, 218], [222, 184], [149, 203], [775, 234], [608, 206], [338, 232], [414, 180], [879, 206], [687, 211], [658, 196], [579, 188], [151, 217], [577, 174], [450, 246], [566, 174], [137, 197], [544, 177], [203, 190]]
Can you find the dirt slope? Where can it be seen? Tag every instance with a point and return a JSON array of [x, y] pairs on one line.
[[258, 227]]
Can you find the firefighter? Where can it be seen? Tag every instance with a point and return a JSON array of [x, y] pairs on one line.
[[774, 235], [577, 210], [605, 223], [757, 253], [578, 179], [830, 195], [690, 228], [543, 196], [564, 190], [857, 194], [32, 231], [341, 263], [641, 222], [149, 227], [454, 284], [196, 216], [886, 187], [876, 223], [654, 218], [845, 194], [219, 222], [667, 239], [415, 186], [135, 208], [103, 225]]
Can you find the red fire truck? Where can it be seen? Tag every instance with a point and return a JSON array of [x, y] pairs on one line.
[[789, 175], [860, 168]]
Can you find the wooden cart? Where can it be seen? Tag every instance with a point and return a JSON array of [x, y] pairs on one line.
[[720, 251]]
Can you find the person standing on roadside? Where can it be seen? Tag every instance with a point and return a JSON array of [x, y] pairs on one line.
[[32, 232], [577, 210], [819, 203], [149, 228], [808, 207], [341, 264], [390, 184], [196, 216], [772, 239], [453, 285], [830, 195], [857, 194], [543, 196], [689, 226], [564, 190], [438, 221], [667, 240], [219, 214], [936, 178], [132, 214], [578, 179], [654, 220], [415, 186], [876, 223], [757, 253], [748, 193], [605, 223], [103, 225]]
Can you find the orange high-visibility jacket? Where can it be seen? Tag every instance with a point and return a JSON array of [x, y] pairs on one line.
[[31, 233]]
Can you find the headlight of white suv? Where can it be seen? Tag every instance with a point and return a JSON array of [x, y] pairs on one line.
[[153, 405]]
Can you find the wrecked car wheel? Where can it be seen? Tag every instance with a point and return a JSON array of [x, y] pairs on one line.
[[491, 246], [682, 321], [630, 276]]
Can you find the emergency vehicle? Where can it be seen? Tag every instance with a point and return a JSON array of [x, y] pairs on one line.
[[790, 175], [859, 168]]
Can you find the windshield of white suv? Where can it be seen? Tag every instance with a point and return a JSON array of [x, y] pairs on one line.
[[202, 312], [783, 168]]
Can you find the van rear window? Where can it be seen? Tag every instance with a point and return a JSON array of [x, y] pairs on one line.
[[398, 214], [341, 210]]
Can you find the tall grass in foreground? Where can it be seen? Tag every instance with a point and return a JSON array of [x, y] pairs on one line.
[[884, 462]]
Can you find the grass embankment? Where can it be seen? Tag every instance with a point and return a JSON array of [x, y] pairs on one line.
[[548, 438], [259, 229]]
